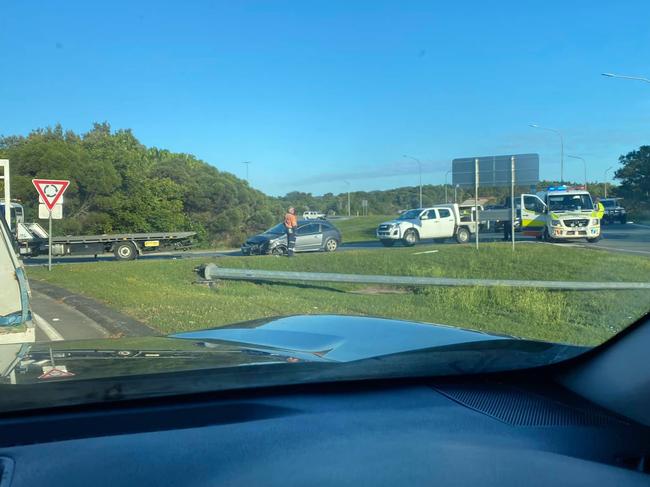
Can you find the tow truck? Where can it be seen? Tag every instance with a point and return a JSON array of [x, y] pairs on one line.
[[33, 240], [560, 213]]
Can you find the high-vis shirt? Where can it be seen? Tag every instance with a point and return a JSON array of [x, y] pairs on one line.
[[600, 210], [290, 221]]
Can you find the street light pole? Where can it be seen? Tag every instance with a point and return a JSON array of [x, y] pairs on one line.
[[348, 183], [534, 125], [446, 184], [420, 172], [606, 171], [247, 163], [621, 76], [584, 163]]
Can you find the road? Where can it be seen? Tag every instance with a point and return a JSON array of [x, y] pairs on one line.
[[56, 321], [61, 315], [630, 238]]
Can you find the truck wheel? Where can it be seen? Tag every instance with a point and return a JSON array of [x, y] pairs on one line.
[[593, 240], [462, 235], [623, 220], [331, 245], [411, 237], [388, 243], [125, 251]]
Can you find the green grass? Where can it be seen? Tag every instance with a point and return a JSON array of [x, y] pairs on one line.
[[161, 293], [360, 228]]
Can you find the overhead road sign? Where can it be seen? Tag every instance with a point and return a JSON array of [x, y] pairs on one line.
[[50, 190], [496, 171]]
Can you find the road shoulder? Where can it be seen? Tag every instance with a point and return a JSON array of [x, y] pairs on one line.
[[115, 323]]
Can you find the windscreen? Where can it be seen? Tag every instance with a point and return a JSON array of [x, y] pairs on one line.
[[570, 202], [245, 181], [410, 215]]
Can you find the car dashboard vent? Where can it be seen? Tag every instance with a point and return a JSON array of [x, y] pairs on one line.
[[520, 407]]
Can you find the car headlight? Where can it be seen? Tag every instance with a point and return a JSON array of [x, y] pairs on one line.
[[595, 221], [555, 223]]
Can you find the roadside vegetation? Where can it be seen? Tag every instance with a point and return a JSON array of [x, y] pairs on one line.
[[163, 293], [120, 185], [360, 228]]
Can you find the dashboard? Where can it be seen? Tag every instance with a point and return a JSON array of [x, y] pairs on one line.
[[466, 431]]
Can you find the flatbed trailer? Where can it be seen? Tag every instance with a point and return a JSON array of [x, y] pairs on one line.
[[33, 241]]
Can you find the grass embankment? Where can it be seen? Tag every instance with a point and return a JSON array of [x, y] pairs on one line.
[[360, 228], [161, 293]]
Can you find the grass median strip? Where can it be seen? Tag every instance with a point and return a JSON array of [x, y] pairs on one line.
[[161, 293]]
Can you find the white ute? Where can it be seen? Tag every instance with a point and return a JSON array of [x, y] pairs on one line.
[[438, 222]]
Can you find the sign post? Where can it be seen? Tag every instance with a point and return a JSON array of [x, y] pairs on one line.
[[494, 172], [51, 191], [513, 212], [476, 219]]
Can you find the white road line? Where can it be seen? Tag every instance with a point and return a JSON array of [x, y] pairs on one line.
[[48, 329]]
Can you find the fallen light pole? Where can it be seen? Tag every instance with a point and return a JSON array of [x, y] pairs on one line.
[[212, 272]]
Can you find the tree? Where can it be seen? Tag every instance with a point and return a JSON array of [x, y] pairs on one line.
[[119, 185], [635, 176]]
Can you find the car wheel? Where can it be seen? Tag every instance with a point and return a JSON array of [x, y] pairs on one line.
[[331, 245], [623, 220], [279, 250], [462, 235], [388, 243], [593, 240], [547, 236], [125, 251], [411, 237]]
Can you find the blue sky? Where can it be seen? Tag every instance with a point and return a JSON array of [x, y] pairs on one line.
[[318, 92]]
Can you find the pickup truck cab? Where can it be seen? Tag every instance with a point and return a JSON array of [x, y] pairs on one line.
[[438, 222]]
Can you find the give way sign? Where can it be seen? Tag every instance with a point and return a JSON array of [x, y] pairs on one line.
[[50, 190]]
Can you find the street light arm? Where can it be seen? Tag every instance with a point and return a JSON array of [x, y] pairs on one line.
[[534, 125], [621, 76]]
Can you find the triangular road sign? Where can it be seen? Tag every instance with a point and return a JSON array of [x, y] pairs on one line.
[[55, 372], [50, 190]]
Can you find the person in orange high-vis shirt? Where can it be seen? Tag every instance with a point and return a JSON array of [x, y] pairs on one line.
[[290, 224]]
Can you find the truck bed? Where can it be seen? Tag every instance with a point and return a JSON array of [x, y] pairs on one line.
[[122, 236]]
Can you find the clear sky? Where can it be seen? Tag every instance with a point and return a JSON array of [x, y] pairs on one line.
[[318, 92]]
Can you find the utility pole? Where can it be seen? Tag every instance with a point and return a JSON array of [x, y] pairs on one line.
[[420, 173], [606, 171], [584, 164], [348, 184], [247, 163], [561, 147], [446, 184]]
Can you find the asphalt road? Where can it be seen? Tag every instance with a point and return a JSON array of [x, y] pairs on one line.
[[630, 238], [57, 321]]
